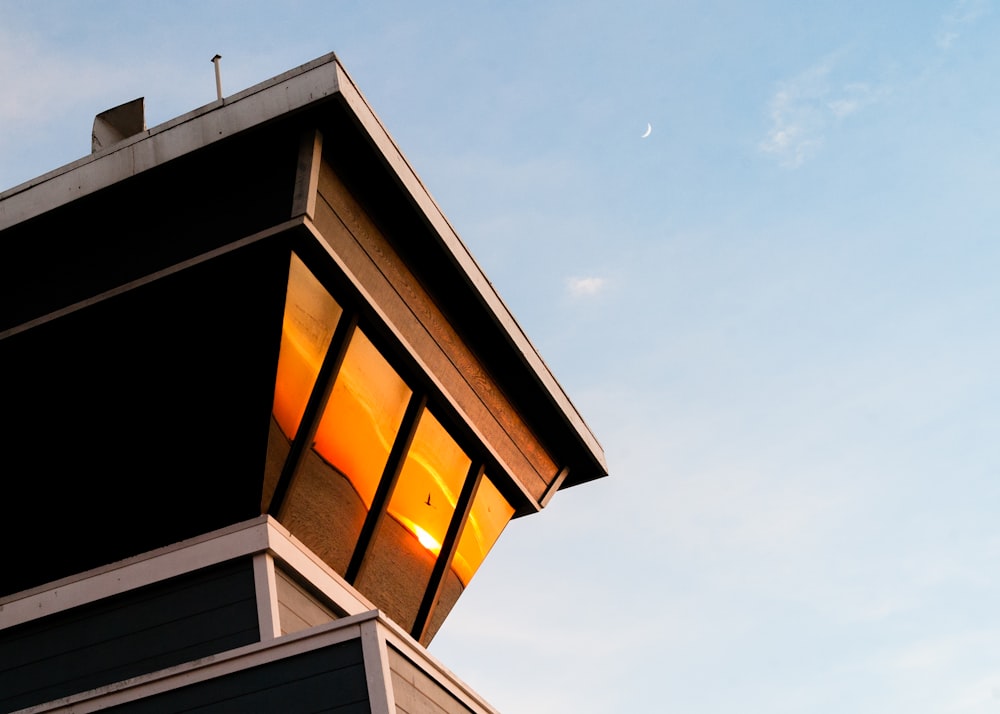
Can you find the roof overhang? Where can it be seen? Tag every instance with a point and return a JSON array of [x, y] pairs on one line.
[[320, 93]]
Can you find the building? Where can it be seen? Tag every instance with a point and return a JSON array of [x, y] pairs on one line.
[[266, 416]]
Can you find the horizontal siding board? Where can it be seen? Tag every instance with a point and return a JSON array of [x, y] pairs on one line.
[[127, 635], [150, 607], [69, 684], [409, 700], [176, 634], [331, 679], [298, 609], [417, 693]]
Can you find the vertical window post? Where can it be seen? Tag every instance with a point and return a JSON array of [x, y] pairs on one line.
[[314, 407], [448, 548], [400, 447]]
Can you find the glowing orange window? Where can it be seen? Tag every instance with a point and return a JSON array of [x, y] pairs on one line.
[[311, 315], [362, 417], [489, 515], [399, 563], [334, 486]]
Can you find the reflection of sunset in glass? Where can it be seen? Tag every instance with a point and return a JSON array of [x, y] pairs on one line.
[[425, 538], [311, 315], [429, 484], [362, 416], [355, 435], [490, 513]]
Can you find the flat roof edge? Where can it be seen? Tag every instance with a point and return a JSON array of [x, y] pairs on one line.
[[296, 89]]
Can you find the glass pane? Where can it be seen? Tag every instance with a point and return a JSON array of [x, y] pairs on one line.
[[489, 515], [362, 417], [409, 539], [336, 483], [310, 317]]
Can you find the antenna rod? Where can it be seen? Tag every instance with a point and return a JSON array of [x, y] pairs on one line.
[[218, 76]]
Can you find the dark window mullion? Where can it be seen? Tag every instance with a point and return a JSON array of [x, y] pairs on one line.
[[314, 408], [393, 467], [458, 520]]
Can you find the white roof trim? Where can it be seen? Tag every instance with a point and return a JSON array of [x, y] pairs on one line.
[[259, 535]]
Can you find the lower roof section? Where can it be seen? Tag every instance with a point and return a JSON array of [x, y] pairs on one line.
[[261, 535], [358, 664], [353, 660]]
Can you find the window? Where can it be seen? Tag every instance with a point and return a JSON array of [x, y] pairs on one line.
[[340, 473], [310, 317], [363, 472], [408, 543]]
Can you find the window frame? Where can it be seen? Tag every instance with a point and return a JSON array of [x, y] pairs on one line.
[[357, 315]]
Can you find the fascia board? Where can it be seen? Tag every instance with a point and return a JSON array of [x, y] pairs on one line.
[[464, 259]]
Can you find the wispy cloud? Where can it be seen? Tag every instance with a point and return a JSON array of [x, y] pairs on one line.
[[578, 287], [966, 11], [946, 38], [962, 14], [803, 109], [958, 669], [807, 107]]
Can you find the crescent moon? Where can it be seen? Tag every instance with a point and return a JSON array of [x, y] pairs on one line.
[[649, 130]]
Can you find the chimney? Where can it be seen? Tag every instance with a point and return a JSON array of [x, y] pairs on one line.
[[118, 123]]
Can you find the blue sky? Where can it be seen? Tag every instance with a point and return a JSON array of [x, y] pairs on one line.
[[778, 312]]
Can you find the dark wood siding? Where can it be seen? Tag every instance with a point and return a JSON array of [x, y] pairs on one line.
[[141, 631], [416, 693], [331, 679]]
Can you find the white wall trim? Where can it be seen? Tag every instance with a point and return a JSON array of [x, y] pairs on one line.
[[299, 559], [266, 586], [155, 566], [377, 672]]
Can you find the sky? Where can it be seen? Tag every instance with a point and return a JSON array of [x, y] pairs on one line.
[[778, 312]]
